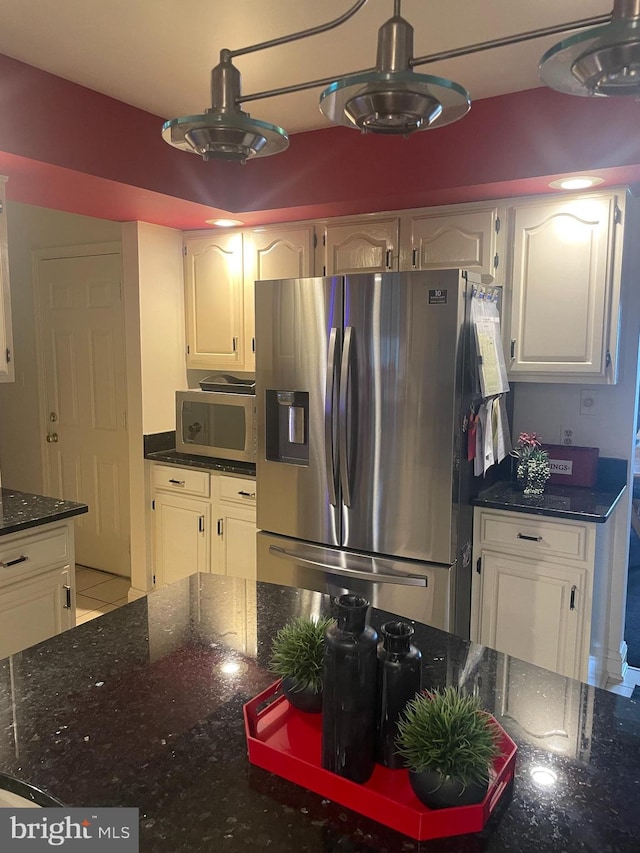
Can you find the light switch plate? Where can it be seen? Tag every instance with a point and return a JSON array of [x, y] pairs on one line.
[[588, 401]]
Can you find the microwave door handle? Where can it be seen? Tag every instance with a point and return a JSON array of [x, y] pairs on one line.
[[342, 417], [372, 577], [330, 460]]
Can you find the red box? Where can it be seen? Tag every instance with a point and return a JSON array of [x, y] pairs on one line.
[[573, 466], [287, 742]]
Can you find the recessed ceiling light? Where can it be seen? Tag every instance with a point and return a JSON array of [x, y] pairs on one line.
[[578, 183], [224, 223]]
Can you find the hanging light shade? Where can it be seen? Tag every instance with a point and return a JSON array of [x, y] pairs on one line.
[[225, 132], [393, 99], [604, 61]]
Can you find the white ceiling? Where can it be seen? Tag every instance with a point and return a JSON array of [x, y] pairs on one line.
[[157, 54]]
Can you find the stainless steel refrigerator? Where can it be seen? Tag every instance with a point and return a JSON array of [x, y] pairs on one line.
[[363, 387]]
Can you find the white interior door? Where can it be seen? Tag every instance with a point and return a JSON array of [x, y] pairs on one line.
[[82, 347]]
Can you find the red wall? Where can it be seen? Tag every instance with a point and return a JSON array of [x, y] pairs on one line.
[[68, 147]]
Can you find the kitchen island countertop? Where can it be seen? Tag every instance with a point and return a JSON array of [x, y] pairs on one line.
[[136, 708], [22, 510]]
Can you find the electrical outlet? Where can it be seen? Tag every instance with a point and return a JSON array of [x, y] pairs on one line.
[[567, 436]]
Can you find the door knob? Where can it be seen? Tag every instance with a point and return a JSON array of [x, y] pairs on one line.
[[52, 438]]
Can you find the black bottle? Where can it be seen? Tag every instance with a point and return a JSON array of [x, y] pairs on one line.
[[399, 679], [349, 691]]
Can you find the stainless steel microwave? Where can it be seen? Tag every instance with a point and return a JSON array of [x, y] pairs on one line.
[[210, 423]]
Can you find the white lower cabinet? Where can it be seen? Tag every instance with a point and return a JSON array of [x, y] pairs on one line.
[[37, 586], [533, 584], [204, 521], [182, 536], [236, 527]]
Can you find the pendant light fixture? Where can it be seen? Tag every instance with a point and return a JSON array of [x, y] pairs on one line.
[[392, 98], [599, 62]]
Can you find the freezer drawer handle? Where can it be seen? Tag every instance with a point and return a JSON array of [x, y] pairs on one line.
[[529, 538], [372, 577]]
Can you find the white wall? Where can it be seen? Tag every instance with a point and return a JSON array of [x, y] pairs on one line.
[[33, 228], [162, 328], [154, 327]]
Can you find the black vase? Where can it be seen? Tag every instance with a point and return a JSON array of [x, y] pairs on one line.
[[399, 679], [349, 691]]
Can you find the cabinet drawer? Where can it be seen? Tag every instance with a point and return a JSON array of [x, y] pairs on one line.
[[22, 554], [539, 538], [238, 490], [186, 481]]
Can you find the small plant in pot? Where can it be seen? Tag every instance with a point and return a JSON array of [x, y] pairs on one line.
[[296, 656], [449, 745]]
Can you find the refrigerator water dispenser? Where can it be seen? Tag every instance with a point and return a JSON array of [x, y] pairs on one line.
[[287, 431]]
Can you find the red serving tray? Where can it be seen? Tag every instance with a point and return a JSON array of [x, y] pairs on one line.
[[287, 742]]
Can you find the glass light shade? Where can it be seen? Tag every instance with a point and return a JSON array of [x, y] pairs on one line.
[[399, 102], [225, 136], [599, 62]]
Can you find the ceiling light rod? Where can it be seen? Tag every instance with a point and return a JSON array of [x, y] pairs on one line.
[[507, 40], [434, 57], [312, 31]]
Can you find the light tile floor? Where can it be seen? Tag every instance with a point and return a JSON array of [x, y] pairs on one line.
[[631, 680], [98, 593]]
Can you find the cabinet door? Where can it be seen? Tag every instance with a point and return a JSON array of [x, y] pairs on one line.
[[465, 240], [35, 609], [534, 610], [181, 536], [273, 254], [214, 301], [368, 245], [565, 296], [6, 335], [237, 529]]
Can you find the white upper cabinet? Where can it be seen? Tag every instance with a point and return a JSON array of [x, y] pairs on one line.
[[452, 238], [6, 336], [359, 245], [272, 253], [214, 301], [220, 271], [562, 307]]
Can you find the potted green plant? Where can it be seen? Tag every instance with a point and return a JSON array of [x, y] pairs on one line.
[[449, 745], [297, 656]]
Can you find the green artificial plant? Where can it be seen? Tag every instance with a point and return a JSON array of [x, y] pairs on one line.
[[297, 652], [446, 732]]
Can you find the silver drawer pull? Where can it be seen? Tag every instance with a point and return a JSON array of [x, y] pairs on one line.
[[21, 559], [247, 494], [529, 538], [177, 482]]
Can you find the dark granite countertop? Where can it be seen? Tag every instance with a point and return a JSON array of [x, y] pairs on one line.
[[173, 457], [160, 447], [134, 709], [21, 510], [571, 502]]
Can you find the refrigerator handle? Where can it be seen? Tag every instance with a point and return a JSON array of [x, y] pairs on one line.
[[328, 417], [342, 417], [372, 577]]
